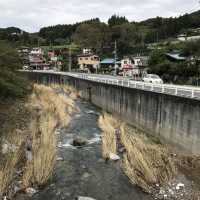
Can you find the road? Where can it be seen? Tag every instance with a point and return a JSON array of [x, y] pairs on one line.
[[176, 90]]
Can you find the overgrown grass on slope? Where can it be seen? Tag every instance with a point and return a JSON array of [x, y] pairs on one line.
[[52, 110], [49, 110], [145, 163], [109, 141]]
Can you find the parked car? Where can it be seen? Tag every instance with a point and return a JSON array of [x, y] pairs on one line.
[[152, 78]]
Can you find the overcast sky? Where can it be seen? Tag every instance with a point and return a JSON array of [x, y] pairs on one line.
[[30, 15]]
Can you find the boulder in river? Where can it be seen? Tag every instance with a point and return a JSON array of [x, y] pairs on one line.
[[80, 141], [114, 157], [31, 191]]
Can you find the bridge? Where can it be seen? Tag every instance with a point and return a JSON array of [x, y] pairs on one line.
[[168, 112]]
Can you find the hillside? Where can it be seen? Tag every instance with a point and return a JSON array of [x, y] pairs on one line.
[[165, 27], [100, 36]]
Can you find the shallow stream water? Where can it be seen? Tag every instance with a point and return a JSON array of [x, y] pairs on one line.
[[82, 171]]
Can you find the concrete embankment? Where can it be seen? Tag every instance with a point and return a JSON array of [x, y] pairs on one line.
[[175, 120]]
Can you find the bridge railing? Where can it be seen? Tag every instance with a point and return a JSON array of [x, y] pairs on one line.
[[183, 91]]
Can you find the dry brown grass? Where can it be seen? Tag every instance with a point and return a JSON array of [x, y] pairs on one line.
[[109, 141], [10, 160], [51, 110], [69, 90], [145, 163], [196, 196], [7, 172], [40, 169]]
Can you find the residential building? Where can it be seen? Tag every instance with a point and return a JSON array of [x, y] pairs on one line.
[[134, 65], [87, 51], [88, 61], [108, 65], [37, 51], [37, 60]]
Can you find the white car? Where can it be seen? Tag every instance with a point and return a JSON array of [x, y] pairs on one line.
[[152, 78]]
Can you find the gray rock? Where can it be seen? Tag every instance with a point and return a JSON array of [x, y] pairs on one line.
[[59, 159], [79, 141], [31, 191], [114, 157], [85, 175]]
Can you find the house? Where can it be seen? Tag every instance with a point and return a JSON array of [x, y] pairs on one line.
[[37, 60], [87, 51], [36, 51], [108, 64], [134, 65], [37, 63], [88, 61]]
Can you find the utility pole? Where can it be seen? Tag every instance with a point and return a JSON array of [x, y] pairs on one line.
[[70, 59], [115, 57]]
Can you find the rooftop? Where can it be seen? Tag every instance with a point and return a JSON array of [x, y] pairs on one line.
[[110, 61], [176, 56]]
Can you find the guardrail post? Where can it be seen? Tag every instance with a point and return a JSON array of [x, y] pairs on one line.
[[192, 93], [128, 83], [176, 91], [163, 89], [152, 87]]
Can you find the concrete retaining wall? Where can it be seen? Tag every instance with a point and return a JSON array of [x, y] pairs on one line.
[[174, 120]]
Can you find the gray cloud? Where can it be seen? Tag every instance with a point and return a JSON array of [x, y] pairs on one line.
[[30, 15]]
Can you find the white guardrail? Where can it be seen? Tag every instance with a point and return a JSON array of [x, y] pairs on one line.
[[176, 90]]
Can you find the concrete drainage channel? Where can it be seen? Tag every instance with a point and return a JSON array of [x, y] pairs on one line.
[[80, 172]]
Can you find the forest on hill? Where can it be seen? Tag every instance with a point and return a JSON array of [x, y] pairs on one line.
[[100, 36]]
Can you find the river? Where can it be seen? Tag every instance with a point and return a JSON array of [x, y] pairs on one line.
[[82, 171]]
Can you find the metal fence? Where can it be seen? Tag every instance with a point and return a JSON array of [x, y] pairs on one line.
[[176, 90]]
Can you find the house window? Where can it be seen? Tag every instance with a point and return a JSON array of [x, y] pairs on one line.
[[81, 59], [86, 58], [125, 62]]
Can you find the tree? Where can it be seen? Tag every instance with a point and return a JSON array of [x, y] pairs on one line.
[[117, 20], [93, 35], [11, 84], [192, 48]]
